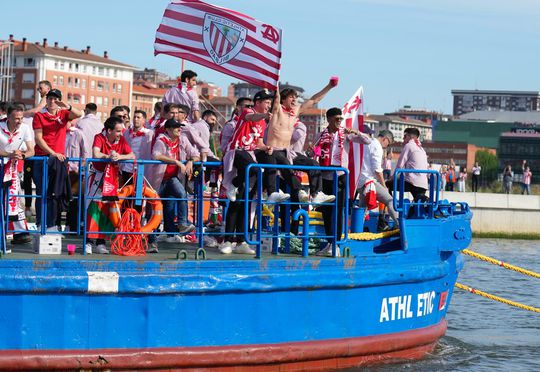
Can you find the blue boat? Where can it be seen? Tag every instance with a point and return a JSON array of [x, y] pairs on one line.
[[383, 300]]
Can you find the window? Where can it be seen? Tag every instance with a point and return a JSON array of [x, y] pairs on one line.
[[92, 84], [107, 72], [114, 101], [114, 87], [69, 97], [62, 66], [119, 88], [119, 102], [77, 83], [105, 101], [100, 86], [28, 77], [29, 62], [99, 100], [106, 86], [94, 70], [70, 66], [101, 71], [27, 94], [70, 81], [84, 69], [76, 67], [61, 80], [92, 99], [84, 83], [115, 73], [56, 65], [83, 99], [55, 80], [76, 98]]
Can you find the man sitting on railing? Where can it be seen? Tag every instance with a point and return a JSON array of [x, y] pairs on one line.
[[109, 144], [16, 144], [173, 148]]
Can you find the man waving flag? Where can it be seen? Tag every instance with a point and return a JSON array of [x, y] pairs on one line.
[[221, 39], [353, 115]]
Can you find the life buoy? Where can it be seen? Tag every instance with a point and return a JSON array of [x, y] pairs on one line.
[[157, 208]]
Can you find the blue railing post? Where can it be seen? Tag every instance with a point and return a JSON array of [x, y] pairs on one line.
[[302, 213]]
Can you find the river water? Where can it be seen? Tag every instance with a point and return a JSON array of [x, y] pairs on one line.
[[484, 335]]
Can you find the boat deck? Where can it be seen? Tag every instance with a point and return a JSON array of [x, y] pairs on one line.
[[167, 252]]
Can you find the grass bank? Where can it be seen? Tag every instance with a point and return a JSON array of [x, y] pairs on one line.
[[503, 235]]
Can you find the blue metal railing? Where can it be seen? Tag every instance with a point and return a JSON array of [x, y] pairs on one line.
[[399, 202]]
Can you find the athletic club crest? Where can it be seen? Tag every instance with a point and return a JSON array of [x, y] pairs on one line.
[[223, 39]]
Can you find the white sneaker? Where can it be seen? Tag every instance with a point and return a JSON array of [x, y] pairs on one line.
[[102, 248], [327, 251], [186, 229], [174, 239], [225, 247], [210, 241], [244, 248], [152, 248], [231, 194], [321, 197], [278, 197], [88, 248], [303, 196]]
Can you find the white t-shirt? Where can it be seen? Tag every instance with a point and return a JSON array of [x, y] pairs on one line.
[[9, 142], [372, 162]]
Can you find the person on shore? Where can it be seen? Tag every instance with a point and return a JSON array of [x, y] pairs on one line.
[[462, 179], [109, 144], [450, 177], [527, 175], [387, 165], [476, 171], [443, 172], [413, 156], [50, 127], [508, 178], [185, 94], [16, 144], [334, 143]]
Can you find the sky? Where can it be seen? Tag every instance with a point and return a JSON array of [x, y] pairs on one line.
[[403, 52]]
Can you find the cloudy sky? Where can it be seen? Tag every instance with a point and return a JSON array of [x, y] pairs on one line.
[[403, 52]]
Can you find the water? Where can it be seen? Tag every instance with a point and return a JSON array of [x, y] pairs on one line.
[[484, 335]]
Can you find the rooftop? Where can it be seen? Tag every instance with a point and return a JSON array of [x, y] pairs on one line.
[[496, 92], [532, 117]]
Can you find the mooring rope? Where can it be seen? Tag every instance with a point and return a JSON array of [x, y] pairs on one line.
[[501, 263], [496, 298]]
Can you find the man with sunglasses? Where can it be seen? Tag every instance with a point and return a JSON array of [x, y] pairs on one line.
[[122, 113]]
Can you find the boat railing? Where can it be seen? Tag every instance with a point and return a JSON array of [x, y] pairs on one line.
[[424, 207], [252, 234]]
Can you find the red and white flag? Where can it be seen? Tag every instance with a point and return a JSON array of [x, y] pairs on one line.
[[221, 39], [353, 113]]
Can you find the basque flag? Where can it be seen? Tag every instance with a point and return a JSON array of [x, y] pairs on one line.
[[221, 39], [353, 113]]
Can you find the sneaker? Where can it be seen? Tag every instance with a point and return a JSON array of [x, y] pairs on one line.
[[303, 196], [186, 229], [152, 248], [88, 248], [174, 239], [244, 248], [210, 242], [231, 194], [327, 251], [225, 248], [321, 197], [102, 249], [278, 197]]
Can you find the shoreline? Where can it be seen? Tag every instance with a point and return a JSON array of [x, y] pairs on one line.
[[506, 235]]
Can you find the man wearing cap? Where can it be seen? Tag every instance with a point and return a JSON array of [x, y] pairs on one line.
[[185, 94], [173, 149], [246, 142], [50, 126]]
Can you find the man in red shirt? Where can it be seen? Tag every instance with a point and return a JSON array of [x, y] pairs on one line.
[[50, 126], [109, 144]]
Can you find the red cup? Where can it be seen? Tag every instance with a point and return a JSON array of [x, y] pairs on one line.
[[71, 249], [334, 81]]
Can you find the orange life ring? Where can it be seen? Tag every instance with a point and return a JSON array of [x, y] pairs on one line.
[[157, 208]]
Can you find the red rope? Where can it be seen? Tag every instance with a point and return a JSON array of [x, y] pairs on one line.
[[130, 244]]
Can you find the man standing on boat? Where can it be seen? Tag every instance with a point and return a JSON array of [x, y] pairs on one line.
[[16, 144], [413, 156], [185, 94], [139, 138], [371, 174], [334, 143]]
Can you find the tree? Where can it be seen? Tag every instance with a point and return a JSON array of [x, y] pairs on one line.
[[489, 164]]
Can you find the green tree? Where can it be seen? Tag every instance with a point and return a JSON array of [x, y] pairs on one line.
[[489, 164]]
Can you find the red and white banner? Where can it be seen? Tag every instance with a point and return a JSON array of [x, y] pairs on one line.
[[221, 39], [353, 113]]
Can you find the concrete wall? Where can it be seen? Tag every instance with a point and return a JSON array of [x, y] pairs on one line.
[[501, 212]]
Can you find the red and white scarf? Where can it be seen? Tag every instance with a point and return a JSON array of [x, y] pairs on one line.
[[331, 154]]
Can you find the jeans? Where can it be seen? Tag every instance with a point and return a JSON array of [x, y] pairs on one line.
[[52, 203], [173, 188]]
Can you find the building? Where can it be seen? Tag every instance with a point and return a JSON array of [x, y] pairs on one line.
[[82, 77], [315, 121], [520, 144], [408, 113], [494, 100], [397, 125], [483, 134], [521, 117], [223, 106], [208, 90], [145, 96], [150, 75]]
